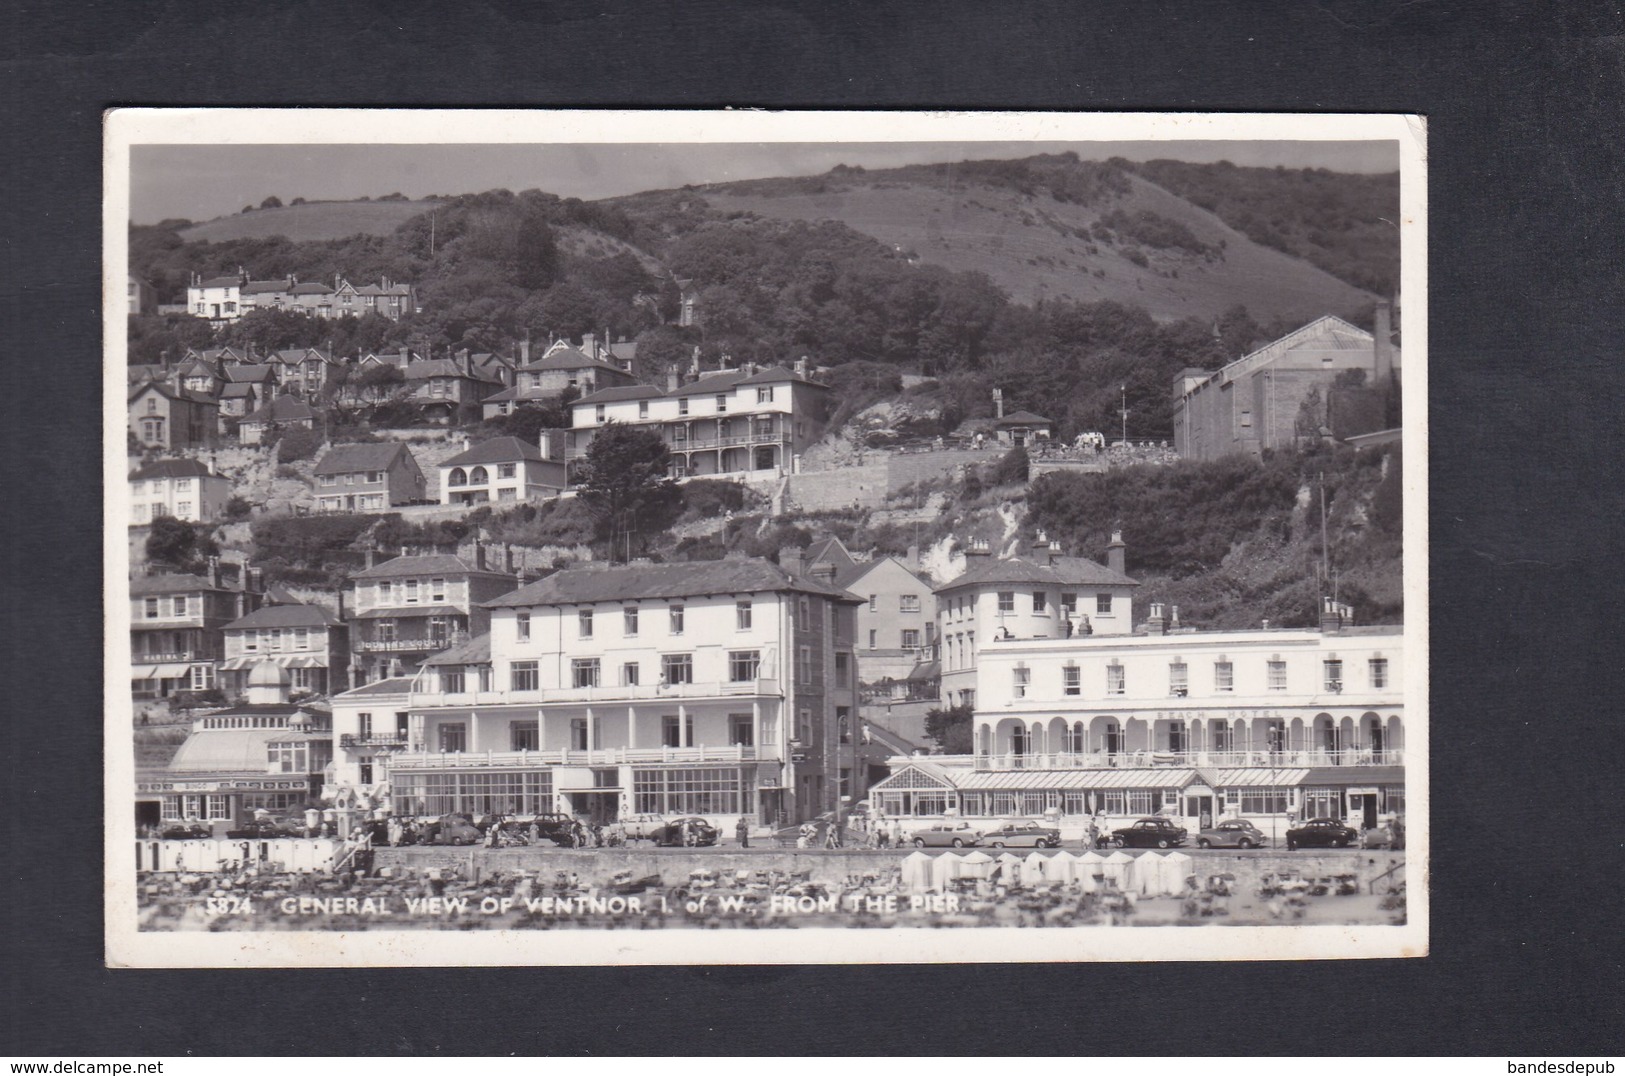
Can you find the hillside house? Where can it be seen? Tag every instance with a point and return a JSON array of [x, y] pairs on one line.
[[282, 413], [163, 416], [227, 298], [732, 421], [501, 470], [1021, 428], [176, 625], [302, 371], [310, 642], [368, 478], [450, 391], [181, 489], [562, 367], [411, 607], [1254, 403]]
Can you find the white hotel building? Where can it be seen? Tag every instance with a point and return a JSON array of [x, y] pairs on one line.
[[720, 689]]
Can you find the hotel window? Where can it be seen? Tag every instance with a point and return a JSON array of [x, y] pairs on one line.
[[1007, 601], [804, 726], [584, 623], [843, 671], [804, 665], [524, 736], [1224, 676], [911, 638], [584, 672], [1071, 680], [906, 603], [1115, 681], [741, 730], [1103, 605], [629, 621], [485, 674], [453, 739], [677, 668], [437, 590], [439, 630], [1333, 679], [364, 726], [643, 408], [411, 591], [722, 402], [682, 406], [180, 605], [629, 674], [764, 395], [675, 618], [671, 731], [1178, 736], [874, 639], [1223, 738], [1021, 677], [578, 734], [744, 665], [522, 626], [1040, 604], [505, 470], [152, 608], [1379, 672], [1277, 674], [1179, 682], [742, 615], [451, 681], [523, 676]]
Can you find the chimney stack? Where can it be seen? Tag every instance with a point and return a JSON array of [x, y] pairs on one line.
[[524, 349], [214, 572], [977, 547], [913, 556], [1053, 551], [824, 572], [372, 556], [790, 560], [1114, 552], [998, 403], [479, 555], [1335, 616], [1157, 622], [674, 377], [1383, 344], [802, 367]]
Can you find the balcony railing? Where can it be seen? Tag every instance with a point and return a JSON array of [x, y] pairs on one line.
[[633, 693], [397, 741], [371, 646], [604, 756], [1092, 760]]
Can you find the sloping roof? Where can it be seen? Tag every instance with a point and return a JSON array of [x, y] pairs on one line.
[[1171, 777], [287, 616], [720, 381], [255, 287], [654, 581], [347, 459], [429, 564], [311, 288], [1024, 418], [423, 369], [236, 389], [171, 469], [1066, 571], [476, 651], [196, 367], [777, 374], [395, 685], [163, 389], [496, 450], [514, 393], [146, 585], [283, 409], [621, 392], [246, 372], [219, 282], [569, 358], [225, 750], [831, 550]]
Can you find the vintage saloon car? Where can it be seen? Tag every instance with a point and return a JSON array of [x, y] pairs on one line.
[[1023, 834], [947, 835], [1149, 833], [1320, 833], [1235, 833]]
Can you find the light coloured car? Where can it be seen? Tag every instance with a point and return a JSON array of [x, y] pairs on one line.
[[947, 835], [1234, 833], [1023, 833]]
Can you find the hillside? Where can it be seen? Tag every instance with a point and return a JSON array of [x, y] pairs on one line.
[[312, 220], [1036, 246]]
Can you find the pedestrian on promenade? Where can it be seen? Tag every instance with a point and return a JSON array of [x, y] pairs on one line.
[[742, 830], [313, 820]]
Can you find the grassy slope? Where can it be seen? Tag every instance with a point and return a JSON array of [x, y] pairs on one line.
[[317, 220], [1027, 245]]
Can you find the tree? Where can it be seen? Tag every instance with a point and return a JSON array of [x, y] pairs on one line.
[[377, 382], [624, 484], [273, 202], [178, 543], [1012, 469], [952, 728]]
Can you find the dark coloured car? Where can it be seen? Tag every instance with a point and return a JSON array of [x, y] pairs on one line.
[[189, 831], [1149, 833], [700, 833], [1320, 833], [1023, 834], [264, 829], [557, 828], [1236, 833]]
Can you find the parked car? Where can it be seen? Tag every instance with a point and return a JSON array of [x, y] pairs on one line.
[[1378, 837], [549, 827], [1149, 833], [947, 835], [263, 830], [1023, 833], [640, 827], [1236, 833], [1320, 833], [187, 831], [671, 834]]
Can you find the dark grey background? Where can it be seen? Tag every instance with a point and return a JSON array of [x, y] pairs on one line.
[[1526, 319]]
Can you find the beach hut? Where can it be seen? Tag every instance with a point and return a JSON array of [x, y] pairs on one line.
[[1145, 875], [1087, 867], [917, 872], [1176, 867], [976, 865], [1116, 867], [1035, 870], [1009, 869], [944, 869]]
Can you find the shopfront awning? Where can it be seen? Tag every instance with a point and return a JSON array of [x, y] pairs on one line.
[[287, 661], [1341, 776], [1014, 780], [142, 672], [171, 672], [1261, 777]]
